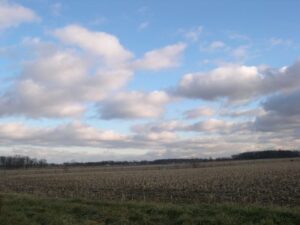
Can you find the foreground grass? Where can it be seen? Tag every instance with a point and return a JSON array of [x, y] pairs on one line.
[[28, 210]]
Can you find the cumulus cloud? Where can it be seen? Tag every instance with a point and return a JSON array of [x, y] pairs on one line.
[[110, 49], [61, 82], [133, 105], [58, 84], [198, 112], [99, 43], [72, 134], [238, 83], [12, 15], [42, 88], [163, 58], [233, 82]]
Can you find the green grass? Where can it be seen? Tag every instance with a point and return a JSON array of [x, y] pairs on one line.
[[29, 210]]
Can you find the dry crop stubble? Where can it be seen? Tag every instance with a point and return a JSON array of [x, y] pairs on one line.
[[265, 182]]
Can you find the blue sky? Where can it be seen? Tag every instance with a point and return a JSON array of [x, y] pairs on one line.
[[148, 79]]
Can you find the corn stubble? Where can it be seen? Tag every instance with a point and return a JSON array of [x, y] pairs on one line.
[[264, 182]]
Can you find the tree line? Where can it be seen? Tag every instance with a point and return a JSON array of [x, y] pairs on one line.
[[268, 154], [18, 162]]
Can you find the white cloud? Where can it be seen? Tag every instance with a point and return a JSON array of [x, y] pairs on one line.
[[16, 131], [198, 112], [71, 134], [162, 58], [163, 136], [132, 105], [59, 84], [44, 88], [233, 82], [99, 43], [238, 83], [219, 126], [11, 15]]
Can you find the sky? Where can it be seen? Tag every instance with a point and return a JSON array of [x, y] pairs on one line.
[[142, 80]]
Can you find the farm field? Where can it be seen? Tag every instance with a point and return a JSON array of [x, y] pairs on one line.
[[263, 182]]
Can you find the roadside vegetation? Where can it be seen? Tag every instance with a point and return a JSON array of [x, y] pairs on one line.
[[28, 210]]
